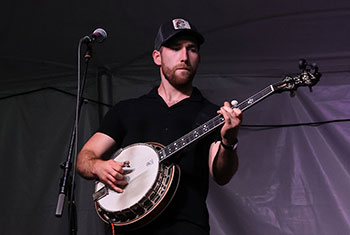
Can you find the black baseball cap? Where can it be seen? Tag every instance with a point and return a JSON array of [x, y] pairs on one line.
[[175, 27]]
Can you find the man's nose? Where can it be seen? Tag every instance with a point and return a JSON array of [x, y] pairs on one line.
[[184, 54]]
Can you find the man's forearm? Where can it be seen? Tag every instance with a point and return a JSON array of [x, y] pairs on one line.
[[85, 164], [225, 165]]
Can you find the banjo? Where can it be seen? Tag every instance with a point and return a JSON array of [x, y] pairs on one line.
[[152, 181]]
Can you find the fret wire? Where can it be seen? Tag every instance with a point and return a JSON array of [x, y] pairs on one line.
[[255, 98], [261, 93]]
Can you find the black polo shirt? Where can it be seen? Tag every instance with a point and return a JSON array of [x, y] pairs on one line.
[[149, 119]]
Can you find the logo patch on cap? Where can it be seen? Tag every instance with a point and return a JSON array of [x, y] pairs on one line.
[[181, 24]]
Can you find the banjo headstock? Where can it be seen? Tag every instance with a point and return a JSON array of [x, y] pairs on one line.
[[309, 76]]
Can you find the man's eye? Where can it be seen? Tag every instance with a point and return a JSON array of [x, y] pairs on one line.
[[193, 49], [175, 48]]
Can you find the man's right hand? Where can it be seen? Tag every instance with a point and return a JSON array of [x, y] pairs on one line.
[[90, 164], [111, 173]]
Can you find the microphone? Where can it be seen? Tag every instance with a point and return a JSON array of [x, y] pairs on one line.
[[99, 35]]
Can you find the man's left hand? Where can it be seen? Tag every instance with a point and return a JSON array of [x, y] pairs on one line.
[[233, 118]]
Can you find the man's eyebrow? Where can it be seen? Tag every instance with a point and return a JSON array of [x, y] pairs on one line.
[[179, 43], [192, 45]]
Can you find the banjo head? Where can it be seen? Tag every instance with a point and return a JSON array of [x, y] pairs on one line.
[[144, 166]]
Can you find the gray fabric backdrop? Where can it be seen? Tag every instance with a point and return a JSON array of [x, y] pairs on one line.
[[291, 179]]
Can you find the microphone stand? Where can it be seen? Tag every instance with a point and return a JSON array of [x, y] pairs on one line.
[[67, 182]]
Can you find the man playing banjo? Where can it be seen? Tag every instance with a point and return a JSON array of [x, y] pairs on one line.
[[166, 113]]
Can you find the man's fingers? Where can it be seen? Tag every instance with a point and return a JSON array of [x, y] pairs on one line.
[[116, 182], [228, 114], [117, 167], [118, 175], [233, 117], [238, 113], [116, 185]]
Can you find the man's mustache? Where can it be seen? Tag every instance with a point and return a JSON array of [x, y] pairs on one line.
[[187, 67]]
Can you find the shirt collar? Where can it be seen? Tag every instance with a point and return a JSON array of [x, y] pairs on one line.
[[195, 96]]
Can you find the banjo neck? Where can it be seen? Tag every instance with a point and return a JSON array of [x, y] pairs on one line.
[[309, 76], [210, 125]]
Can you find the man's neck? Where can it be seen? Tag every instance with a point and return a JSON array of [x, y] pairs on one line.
[[172, 95]]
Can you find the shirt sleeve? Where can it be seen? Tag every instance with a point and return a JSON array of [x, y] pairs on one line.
[[112, 125]]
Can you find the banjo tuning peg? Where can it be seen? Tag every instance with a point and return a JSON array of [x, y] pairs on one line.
[[314, 67], [292, 93], [302, 64]]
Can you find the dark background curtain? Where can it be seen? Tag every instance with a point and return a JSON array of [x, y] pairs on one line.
[[294, 173]]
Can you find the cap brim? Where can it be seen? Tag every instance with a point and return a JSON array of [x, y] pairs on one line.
[[195, 34]]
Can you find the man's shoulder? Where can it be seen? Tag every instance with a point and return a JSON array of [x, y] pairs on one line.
[[198, 95], [150, 95]]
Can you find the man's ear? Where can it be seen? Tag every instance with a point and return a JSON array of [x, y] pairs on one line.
[[156, 57]]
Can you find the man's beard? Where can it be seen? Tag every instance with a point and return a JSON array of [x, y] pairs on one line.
[[179, 81]]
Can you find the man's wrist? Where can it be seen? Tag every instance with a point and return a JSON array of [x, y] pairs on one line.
[[230, 147]]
